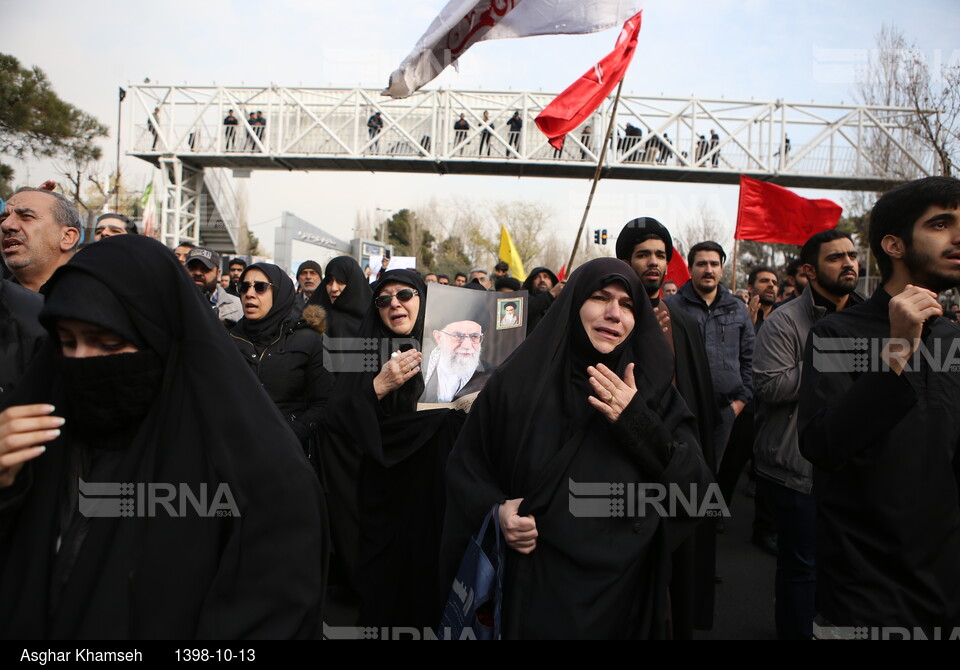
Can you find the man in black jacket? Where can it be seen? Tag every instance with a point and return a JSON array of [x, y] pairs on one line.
[[881, 427], [647, 246], [20, 333], [543, 287]]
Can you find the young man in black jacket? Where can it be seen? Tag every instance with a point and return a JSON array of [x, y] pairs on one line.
[[878, 419]]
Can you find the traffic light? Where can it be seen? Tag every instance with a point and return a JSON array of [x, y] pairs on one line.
[[596, 237], [603, 236]]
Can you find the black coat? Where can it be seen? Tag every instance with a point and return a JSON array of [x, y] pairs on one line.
[[291, 370], [20, 333], [886, 455], [539, 302], [694, 562]]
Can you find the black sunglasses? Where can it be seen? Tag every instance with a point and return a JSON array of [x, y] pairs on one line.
[[259, 286], [403, 295]]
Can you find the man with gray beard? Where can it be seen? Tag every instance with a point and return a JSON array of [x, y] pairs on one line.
[[455, 369]]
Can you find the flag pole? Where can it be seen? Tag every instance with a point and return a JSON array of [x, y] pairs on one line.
[[596, 176], [736, 254]]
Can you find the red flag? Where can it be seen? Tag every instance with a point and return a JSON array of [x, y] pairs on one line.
[[771, 213], [677, 270], [562, 275], [581, 99]]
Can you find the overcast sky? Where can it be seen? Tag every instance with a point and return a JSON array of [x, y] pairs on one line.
[[747, 49]]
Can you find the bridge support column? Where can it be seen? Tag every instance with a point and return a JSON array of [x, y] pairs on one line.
[[180, 214]]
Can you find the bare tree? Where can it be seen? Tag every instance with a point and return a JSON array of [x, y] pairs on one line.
[[526, 222], [898, 74], [707, 225]]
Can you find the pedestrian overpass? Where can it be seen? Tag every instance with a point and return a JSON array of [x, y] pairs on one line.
[[181, 130]]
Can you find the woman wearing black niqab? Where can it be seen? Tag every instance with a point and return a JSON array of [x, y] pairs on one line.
[[400, 490], [532, 433], [180, 413]]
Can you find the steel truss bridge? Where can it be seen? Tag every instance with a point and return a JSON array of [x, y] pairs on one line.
[[181, 130]]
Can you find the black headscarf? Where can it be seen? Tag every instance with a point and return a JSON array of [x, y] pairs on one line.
[[345, 315], [265, 330], [256, 575], [405, 398], [532, 430]]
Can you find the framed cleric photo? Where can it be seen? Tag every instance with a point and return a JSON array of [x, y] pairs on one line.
[[509, 313], [466, 335]]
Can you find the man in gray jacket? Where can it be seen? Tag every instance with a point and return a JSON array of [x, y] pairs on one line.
[[829, 260], [727, 332]]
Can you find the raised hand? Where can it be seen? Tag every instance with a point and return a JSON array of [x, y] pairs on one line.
[[612, 393], [396, 372], [23, 430]]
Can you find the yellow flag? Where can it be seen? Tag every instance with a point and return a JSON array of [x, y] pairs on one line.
[[508, 254]]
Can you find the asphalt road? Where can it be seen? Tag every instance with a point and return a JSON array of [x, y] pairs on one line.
[[744, 601]]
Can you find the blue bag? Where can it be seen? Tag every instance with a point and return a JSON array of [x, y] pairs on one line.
[[474, 604]]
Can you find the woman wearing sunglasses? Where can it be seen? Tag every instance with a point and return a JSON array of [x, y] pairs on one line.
[[149, 489], [284, 350], [399, 491]]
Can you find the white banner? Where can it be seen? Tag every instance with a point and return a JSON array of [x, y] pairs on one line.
[[463, 23]]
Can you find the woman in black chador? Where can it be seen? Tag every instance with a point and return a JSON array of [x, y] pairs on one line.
[[400, 491], [158, 406], [345, 296], [586, 399]]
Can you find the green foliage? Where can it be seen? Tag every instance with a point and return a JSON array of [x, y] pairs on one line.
[[410, 238], [451, 258], [35, 122], [758, 254], [253, 245]]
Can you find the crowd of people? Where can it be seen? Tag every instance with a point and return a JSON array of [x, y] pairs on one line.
[[187, 456]]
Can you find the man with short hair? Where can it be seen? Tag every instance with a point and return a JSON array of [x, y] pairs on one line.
[[309, 276], [762, 284], [787, 292], [881, 428], [480, 276], [181, 251], [111, 224], [235, 268], [727, 332], [443, 279], [543, 287], [430, 278], [669, 288], [784, 477], [41, 231], [795, 275], [501, 269], [203, 265], [647, 246], [454, 368], [459, 279]]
